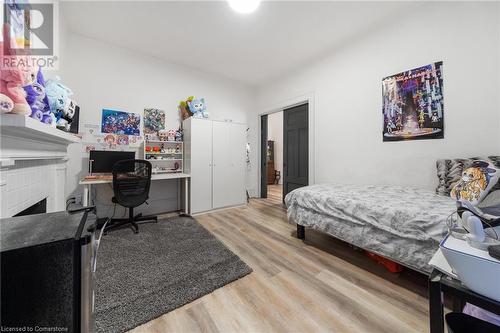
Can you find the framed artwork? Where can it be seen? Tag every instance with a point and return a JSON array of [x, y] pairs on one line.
[[154, 120], [120, 122], [413, 106]]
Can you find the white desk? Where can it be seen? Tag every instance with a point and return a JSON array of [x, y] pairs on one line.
[[87, 186]]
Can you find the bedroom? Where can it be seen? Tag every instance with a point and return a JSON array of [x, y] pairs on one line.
[[383, 105]]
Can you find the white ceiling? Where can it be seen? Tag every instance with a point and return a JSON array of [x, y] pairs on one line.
[[280, 37]]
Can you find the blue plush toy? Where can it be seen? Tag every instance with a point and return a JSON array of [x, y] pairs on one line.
[[198, 108], [58, 95], [60, 104]]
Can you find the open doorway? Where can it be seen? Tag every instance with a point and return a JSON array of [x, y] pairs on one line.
[[275, 155], [284, 151]]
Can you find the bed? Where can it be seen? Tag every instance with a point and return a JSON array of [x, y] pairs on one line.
[[403, 224]]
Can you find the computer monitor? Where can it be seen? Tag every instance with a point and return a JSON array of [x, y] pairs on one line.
[[102, 161]]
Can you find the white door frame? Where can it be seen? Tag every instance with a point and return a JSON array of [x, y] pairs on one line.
[[308, 98]]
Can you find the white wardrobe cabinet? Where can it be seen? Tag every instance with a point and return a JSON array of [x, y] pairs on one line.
[[215, 158]]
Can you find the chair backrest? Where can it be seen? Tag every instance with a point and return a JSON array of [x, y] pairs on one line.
[[131, 182]]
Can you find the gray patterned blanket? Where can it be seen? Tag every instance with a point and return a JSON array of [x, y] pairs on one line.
[[401, 223]]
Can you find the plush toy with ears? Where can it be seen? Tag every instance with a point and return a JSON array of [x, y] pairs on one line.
[[184, 109], [36, 98], [11, 78], [198, 108]]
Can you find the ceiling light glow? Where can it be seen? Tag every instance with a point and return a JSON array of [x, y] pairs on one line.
[[244, 6]]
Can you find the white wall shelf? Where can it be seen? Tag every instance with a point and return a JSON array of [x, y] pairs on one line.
[[162, 165], [149, 153], [160, 141]]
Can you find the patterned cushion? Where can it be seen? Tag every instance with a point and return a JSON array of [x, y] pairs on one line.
[[496, 162], [477, 181], [449, 173]]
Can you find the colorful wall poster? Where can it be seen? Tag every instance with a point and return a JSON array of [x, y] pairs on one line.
[[120, 122], [154, 120], [413, 105]]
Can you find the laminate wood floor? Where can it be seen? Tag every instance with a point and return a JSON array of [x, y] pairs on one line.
[[275, 192], [320, 285]]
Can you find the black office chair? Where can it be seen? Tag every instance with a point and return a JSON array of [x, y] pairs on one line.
[[131, 182]]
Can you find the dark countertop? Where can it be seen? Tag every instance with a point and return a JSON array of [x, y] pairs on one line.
[[32, 230]]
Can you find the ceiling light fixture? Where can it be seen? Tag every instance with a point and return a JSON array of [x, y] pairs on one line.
[[244, 6]]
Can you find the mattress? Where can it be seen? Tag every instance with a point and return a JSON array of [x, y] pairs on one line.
[[404, 224]]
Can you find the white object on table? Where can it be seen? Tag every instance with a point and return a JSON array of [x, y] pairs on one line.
[[87, 186], [475, 268], [438, 261]]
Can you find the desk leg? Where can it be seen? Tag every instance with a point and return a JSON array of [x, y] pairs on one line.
[[179, 196], [436, 319], [186, 196], [86, 195]]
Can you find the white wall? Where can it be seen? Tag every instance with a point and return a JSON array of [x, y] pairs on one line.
[[275, 133], [347, 95], [104, 76]]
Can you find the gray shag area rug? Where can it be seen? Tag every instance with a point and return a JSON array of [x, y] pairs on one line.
[[167, 264]]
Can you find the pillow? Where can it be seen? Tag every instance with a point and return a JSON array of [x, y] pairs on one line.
[[496, 162], [449, 173], [477, 181]]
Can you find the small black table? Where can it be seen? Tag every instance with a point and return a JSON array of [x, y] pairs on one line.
[[440, 284]]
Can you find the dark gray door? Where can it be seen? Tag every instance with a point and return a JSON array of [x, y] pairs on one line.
[[295, 148], [263, 156]]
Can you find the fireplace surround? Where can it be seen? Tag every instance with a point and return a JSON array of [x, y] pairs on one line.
[[32, 164]]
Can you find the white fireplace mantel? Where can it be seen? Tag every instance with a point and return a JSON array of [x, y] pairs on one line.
[[24, 138], [32, 164]]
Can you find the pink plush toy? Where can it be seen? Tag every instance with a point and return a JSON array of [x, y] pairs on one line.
[[6, 104], [12, 78]]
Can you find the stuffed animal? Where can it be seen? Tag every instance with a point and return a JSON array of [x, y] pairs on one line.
[[49, 119], [163, 135], [198, 108], [184, 109], [65, 117], [171, 135], [30, 75], [60, 104], [57, 95], [178, 135], [36, 98], [6, 104], [11, 80]]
